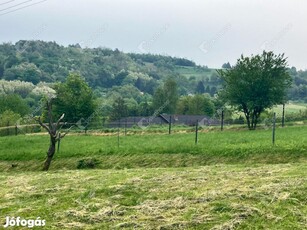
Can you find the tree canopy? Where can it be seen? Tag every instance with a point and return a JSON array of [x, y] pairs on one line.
[[196, 105], [74, 98], [166, 97], [256, 83], [13, 103]]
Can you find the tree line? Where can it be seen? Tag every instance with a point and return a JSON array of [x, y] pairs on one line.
[[251, 86]]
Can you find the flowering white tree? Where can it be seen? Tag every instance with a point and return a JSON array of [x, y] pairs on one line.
[[21, 88]]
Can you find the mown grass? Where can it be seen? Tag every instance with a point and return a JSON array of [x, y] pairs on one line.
[[27, 152], [262, 196], [229, 180]]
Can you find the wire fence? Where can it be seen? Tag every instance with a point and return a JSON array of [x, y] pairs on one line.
[[130, 124], [160, 123]]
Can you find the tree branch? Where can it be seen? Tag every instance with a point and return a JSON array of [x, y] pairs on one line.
[[42, 124], [58, 122], [60, 136]]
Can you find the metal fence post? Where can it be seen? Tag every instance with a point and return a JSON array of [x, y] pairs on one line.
[[283, 115], [222, 120], [170, 125], [196, 132], [274, 126]]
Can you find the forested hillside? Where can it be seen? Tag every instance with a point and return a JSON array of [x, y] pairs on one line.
[[105, 69], [36, 61], [135, 84]]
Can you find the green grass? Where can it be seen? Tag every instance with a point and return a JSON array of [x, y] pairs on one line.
[[290, 108], [209, 197], [235, 179], [157, 150], [199, 74]]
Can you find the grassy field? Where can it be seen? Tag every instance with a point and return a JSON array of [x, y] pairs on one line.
[[199, 74], [209, 197], [291, 108], [229, 180], [157, 150]]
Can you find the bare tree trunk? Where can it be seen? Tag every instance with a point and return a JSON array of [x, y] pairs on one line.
[[50, 153], [53, 128]]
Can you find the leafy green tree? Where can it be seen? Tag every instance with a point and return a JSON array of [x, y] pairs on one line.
[[256, 83], [145, 109], [25, 72], [74, 98], [200, 88], [139, 83], [132, 107], [8, 118], [195, 105], [166, 97], [183, 105], [207, 89], [119, 109], [14, 103], [226, 66], [213, 91], [202, 105]]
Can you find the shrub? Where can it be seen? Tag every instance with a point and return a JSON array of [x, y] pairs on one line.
[[88, 163]]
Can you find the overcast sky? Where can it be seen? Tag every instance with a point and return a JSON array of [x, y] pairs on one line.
[[210, 32]]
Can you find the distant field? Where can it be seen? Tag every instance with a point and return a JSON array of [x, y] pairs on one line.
[[291, 108], [200, 74]]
